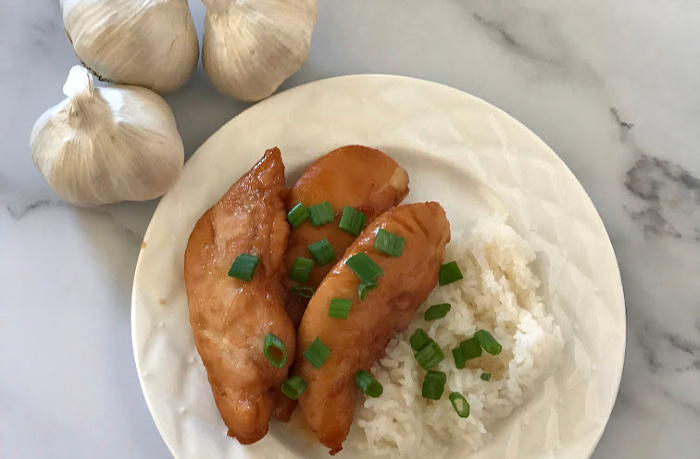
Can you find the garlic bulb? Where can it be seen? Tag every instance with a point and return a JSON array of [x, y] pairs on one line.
[[149, 43], [252, 46], [107, 144]]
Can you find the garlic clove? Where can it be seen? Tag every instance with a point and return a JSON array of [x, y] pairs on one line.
[[107, 144], [251, 47], [149, 43]]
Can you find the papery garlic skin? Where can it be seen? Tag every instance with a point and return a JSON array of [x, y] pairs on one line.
[[107, 144], [149, 43], [251, 46]]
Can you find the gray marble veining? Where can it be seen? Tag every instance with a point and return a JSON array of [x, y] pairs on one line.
[[671, 197], [611, 86]]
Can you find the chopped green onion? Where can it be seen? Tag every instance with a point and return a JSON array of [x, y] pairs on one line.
[[301, 270], [429, 356], [243, 267], [302, 291], [460, 404], [275, 351], [389, 243], [368, 384], [339, 308], [317, 353], [486, 376], [434, 385], [365, 287], [449, 273], [352, 221], [294, 387], [488, 342], [419, 339], [367, 270], [363, 266], [460, 357], [471, 348], [320, 214], [322, 251], [437, 311], [297, 215]]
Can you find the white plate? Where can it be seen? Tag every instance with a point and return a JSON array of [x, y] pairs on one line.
[[472, 157]]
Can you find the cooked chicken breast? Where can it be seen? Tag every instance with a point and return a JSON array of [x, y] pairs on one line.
[[357, 342], [230, 317], [355, 176]]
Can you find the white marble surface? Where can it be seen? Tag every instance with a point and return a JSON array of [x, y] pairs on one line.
[[610, 85]]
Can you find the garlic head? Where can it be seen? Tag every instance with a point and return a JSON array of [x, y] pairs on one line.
[[149, 43], [107, 144], [251, 46]]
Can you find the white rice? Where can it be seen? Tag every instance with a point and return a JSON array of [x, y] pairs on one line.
[[498, 294]]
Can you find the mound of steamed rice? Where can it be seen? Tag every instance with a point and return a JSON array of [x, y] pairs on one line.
[[498, 294]]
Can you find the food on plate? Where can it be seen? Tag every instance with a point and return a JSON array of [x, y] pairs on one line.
[[331, 202], [107, 144], [250, 48], [498, 340], [442, 340], [150, 43], [328, 207], [233, 275], [386, 278]]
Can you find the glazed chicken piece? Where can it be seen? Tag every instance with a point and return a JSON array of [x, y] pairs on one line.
[[230, 317], [360, 340], [355, 176]]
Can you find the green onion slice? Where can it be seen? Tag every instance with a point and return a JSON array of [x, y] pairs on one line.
[[368, 384], [297, 215], [243, 267], [317, 353], [429, 356], [301, 270], [437, 311], [294, 387], [486, 376], [419, 339], [352, 221], [323, 252], [389, 243], [302, 291], [320, 214], [275, 351], [365, 287], [339, 308], [460, 357], [434, 385], [460, 404], [471, 348], [488, 342], [449, 273], [363, 266]]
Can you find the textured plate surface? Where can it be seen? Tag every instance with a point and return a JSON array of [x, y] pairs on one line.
[[473, 158]]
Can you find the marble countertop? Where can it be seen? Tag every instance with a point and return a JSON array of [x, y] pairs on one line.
[[611, 86]]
